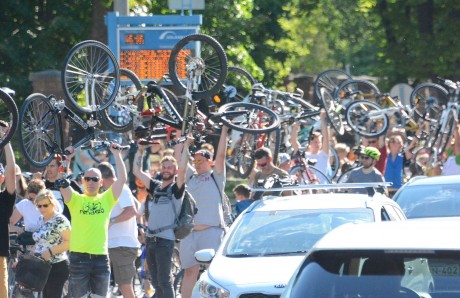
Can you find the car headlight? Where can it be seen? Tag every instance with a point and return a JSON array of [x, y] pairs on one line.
[[212, 290]]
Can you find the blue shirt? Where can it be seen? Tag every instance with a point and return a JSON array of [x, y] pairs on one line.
[[394, 170]]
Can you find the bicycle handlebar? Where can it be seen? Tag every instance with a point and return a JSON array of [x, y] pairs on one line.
[[101, 145]]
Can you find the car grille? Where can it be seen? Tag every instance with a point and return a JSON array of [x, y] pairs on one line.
[[258, 295]]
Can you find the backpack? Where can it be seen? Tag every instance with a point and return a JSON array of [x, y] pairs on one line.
[[185, 220]]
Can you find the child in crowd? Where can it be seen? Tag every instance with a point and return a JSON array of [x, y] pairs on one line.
[[242, 194]]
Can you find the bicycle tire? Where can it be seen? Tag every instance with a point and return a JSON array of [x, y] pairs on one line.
[[237, 85], [8, 113], [212, 55], [335, 164], [304, 179], [118, 116], [255, 116], [359, 119], [245, 155], [353, 90], [445, 133], [39, 132], [343, 178], [333, 111], [330, 80], [89, 61], [427, 101]]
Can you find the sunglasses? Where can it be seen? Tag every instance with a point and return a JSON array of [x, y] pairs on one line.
[[262, 165], [198, 161], [94, 179], [372, 142], [44, 206], [365, 157]]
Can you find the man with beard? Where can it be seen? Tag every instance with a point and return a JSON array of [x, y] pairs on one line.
[[167, 194], [367, 172]]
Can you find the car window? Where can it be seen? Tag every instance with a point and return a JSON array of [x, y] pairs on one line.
[[430, 201], [390, 212], [287, 231], [377, 274]]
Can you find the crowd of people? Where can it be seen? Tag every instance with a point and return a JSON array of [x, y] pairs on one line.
[[88, 229]]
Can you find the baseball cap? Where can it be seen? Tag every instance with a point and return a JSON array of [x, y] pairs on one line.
[[284, 157]]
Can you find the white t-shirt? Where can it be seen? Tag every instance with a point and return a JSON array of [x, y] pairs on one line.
[[322, 163], [30, 214], [123, 234]]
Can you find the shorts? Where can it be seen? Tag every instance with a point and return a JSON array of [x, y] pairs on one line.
[[198, 240], [122, 259]]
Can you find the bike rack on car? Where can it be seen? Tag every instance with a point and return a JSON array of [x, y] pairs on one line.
[[371, 187]]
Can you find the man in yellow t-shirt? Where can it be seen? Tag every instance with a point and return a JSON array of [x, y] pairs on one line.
[[90, 211]]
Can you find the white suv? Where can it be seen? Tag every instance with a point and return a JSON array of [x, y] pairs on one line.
[[269, 240]]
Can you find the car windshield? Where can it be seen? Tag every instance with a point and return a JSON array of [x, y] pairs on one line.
[[377, 274], [420, 201], [287, 231]]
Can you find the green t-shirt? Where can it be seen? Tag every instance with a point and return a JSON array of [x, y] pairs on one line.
[[90, 222]]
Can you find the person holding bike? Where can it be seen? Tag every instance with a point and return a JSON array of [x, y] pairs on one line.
[[7, 200], [367, 172], [90, 211], [160, 240]]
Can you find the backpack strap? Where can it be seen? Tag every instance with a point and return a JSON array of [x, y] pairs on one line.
[[227, 214], [172, 226]]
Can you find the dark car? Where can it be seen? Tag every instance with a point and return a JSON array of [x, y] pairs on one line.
[[426, 197]]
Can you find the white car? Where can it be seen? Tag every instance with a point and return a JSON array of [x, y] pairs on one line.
[[413, 259], [268, 241]]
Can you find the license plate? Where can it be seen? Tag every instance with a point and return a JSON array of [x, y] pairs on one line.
[[446, 269]]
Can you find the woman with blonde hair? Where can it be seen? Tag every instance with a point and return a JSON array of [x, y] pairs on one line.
[[52, 242]]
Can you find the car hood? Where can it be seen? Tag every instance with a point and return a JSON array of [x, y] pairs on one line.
[[253, 270]]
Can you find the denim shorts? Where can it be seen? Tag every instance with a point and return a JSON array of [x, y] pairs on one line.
[[89, 273]]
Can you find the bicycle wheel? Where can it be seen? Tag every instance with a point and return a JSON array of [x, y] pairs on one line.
[[330, 80], [353, 90], [334, 162], [237, 85], [39, 131], [314, 175], [248, 117], [9, 114], [367, 118], [118, 116], [207, 55], [428, 100], [344, 177], [333, 111], [245, 154], [445, 133], [90, 76]]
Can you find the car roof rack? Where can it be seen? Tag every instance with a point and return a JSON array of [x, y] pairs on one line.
[[371, 187]]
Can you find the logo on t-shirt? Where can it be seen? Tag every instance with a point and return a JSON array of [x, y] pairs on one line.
[[91, 208]]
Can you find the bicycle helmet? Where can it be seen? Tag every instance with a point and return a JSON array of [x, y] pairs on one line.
[[372, 152]]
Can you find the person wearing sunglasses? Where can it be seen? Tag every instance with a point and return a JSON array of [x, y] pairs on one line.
[[90, 211], [52, 240], [367, 172], [379, 143]]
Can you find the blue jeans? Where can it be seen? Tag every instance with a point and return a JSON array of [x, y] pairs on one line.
[[159, 254], [89, 273]]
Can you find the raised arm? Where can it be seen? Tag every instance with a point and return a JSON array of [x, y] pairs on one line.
[[122, 175], [137, 166], [325, 132], [183, 162], [221, 151], [10, 173]]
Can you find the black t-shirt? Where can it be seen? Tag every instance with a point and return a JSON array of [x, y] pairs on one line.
[[7, 201], [57, 194]]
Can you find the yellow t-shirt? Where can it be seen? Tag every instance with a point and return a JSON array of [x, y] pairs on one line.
[[90, 222]]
